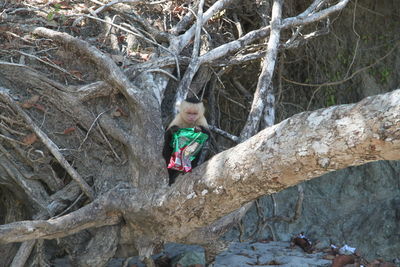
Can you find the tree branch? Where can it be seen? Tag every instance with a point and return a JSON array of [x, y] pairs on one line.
[[309, 16], [300, 148], [231, 137], [179, 43], [183, 87], [93, 215], [305, 18], [108, 70], [264, 80]]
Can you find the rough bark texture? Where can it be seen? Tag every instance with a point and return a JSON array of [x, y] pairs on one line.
[[297, 149]]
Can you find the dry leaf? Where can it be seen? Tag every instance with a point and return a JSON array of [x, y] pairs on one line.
[[121, 39], [64, 5], [39, 107], [77, 74], [57, 62], [178, 10], [116, 114], [29, 139], [26, 105], [121, 111], [69, 130], [30, 102]]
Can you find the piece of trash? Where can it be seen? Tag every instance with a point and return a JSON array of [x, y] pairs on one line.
[[347, 250], [333, 246], [302, 241]]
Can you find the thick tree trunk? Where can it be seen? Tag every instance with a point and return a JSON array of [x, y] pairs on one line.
[[298, 149]]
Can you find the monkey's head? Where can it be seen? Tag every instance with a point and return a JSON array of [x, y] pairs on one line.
[[191, 110]]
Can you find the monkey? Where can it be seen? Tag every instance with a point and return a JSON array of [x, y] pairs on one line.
[[191, 115]]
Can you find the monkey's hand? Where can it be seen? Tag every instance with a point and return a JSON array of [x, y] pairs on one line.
[[174, 129], [202, 129]]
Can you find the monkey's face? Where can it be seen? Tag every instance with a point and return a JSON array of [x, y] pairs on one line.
[[191, 115]]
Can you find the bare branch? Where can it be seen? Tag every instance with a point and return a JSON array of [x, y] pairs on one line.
[[297, 40], [224, 134], [297, 209], [309, 16], [131, 32], [92, 215], [273, 159], [304, 18], [183, 87], [265, 77], [182, 24], [23, 253], [179, 43], [108, 70]]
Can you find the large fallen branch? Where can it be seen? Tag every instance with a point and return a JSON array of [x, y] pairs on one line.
[[300, 148]]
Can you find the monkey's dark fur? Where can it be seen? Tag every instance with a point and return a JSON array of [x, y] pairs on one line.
[[191, 115]]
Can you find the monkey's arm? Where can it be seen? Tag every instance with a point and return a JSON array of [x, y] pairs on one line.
[[167, 152], [200, 158], [202, 129], [167, 149]]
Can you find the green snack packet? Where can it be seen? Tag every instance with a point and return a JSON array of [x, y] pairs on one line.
[[186, 144]]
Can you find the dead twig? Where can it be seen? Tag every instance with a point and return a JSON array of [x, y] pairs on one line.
[[11, 140], [108, 143], [345, 79], [49, 64], [164, 72], [90, 129]]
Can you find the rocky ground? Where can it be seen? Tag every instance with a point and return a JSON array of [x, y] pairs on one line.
[[248, 254], [269, 254]]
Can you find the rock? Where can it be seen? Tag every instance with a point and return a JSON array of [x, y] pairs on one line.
[[247, 254], [189, 259], [357, 205]]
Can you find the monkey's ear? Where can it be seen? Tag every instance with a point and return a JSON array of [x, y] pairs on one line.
[[193, 100]]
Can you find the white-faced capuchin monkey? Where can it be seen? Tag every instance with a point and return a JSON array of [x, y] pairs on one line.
[[191, 115]]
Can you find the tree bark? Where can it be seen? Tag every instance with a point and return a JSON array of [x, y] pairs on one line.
[[265, 78], [298, 149]]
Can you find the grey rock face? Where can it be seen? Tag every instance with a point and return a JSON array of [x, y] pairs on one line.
[[358, 206]]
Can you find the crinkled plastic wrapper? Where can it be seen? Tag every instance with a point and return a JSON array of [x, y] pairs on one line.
[[186, 144]]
